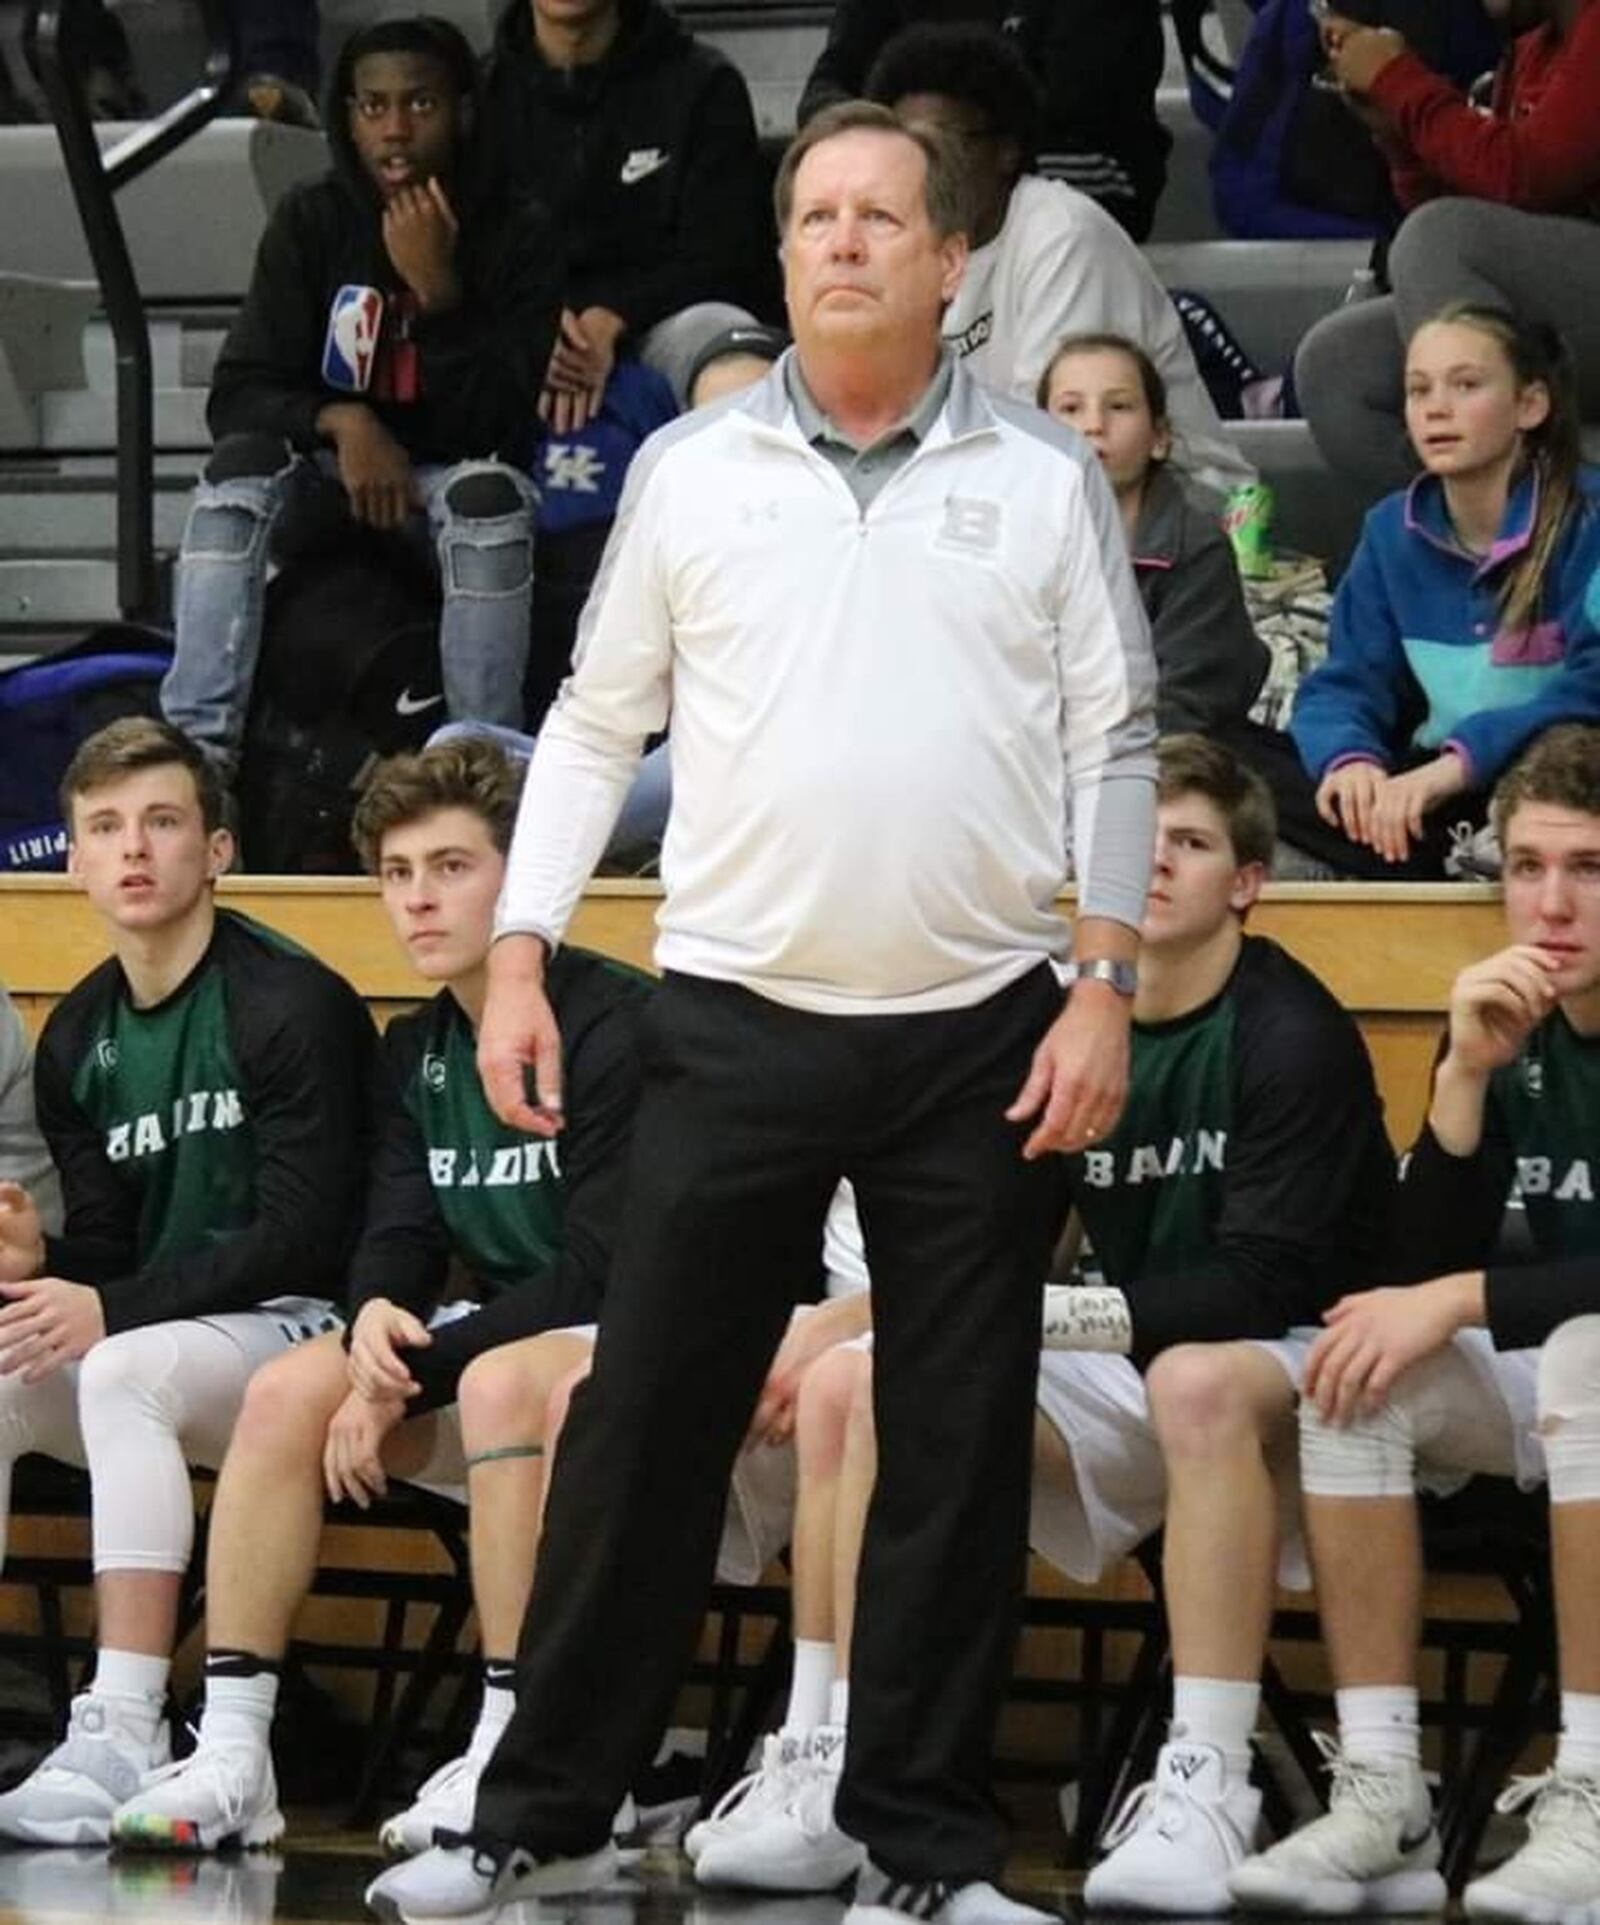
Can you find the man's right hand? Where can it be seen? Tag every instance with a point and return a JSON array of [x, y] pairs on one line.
[[380, 1332], [1495, 1005], [374, 468], [518, 1033], [21, 1235]]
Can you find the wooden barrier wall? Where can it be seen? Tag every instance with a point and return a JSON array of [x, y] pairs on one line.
[[1388, 951]]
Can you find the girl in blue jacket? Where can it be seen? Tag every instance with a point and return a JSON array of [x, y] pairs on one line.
[[1467, 621]]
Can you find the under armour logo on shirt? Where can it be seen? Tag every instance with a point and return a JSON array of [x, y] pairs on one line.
[[641, 163]]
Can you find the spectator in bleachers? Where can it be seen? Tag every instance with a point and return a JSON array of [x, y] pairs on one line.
[[640, 141], [1467, 621], [203, 1093], [1097, 65], [1490, 1367], [279, 59], [27, 1176], [1503, 212], [384, 374], [1046, 260], [1210, 663], [1225, 1210], [460, 1404]]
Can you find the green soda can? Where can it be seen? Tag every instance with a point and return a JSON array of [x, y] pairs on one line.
[[1247, 520]]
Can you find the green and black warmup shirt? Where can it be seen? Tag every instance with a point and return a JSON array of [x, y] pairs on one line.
[[531, 1218], [1249, 1181], [1541, 1142], [211, 1147]]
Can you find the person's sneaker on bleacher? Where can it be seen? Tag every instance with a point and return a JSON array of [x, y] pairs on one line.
[[749, 1800], [792, 1845], [459, 1880], [69, 1797], [1375, 1849], [222, 1793], [1555, 1878], [1177, 1837]]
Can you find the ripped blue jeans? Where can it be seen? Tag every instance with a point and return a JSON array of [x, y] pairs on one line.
[[479, 517]]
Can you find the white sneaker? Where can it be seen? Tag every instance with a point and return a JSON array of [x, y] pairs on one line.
[[1374, 1850], [1555, 1878], [763, 1790], [466, 1886], [444, 1802], [884, 1900], [795, 1846], [220, 1794], [1177, 1837], [69, 1797]]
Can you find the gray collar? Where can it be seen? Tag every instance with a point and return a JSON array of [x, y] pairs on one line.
[[816, 426]]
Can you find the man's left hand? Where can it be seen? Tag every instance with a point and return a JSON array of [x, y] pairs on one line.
[[419, 233], [580, 366], [1376, 1334], [1358, 54], [47, 1322], [1079, 1077]]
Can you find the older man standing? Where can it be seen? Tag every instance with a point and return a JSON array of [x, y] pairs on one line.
[[893, 622]]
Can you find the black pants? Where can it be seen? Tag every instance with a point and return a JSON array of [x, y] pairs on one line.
[[751, 1113], [1274, 757]]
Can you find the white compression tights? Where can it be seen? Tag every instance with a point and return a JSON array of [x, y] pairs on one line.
[[139, 1409]]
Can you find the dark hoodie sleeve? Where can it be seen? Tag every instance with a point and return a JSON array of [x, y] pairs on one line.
[[404, 1250], [483, 362], [1210, 662], [858, 29], [268, 377], [723, 239]]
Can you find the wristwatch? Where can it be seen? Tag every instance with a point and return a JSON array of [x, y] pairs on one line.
[[1122, 976]]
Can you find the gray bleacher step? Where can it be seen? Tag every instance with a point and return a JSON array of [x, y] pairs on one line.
[[61, 590], [192, 221], [1268, 292], [82, 521], [84, 419]]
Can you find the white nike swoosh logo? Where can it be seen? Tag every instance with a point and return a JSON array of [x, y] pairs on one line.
[[408, 704], [638, 167]]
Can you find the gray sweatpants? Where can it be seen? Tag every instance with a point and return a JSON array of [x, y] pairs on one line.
[[1350, 370]]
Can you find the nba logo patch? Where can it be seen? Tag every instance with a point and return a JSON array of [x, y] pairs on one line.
[[355, 322]]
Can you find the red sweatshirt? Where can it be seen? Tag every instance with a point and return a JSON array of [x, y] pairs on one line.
[[1539, 147]]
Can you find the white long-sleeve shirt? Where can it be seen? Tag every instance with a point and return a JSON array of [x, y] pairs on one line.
[[1061, 265], [876, 714]]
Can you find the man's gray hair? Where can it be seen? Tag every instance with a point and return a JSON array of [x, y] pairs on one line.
[[945, 187]]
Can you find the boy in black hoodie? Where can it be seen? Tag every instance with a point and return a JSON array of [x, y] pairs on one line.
[[641, 142], [386, 363]]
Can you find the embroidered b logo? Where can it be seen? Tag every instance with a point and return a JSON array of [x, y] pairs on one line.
[[970, 525]]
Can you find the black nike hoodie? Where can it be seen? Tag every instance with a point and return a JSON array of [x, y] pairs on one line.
[[647, 160]]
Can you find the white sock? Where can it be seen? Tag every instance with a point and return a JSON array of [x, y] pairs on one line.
[[494, 1714], [131, 1675], [813, 1681], [238, 1711], [1220, 1712], [839, 1702], [1378, 1724], [1578, 1751]]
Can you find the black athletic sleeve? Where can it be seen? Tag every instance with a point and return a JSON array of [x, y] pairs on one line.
[[1449, 1219], [856, 32], [602, 1095], [100, 1216], [403, 1252], [267, 378], [1309, 1174], [304, 1052]]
